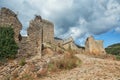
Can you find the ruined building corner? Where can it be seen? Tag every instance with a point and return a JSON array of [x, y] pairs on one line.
[[94, 47], [9, 18]]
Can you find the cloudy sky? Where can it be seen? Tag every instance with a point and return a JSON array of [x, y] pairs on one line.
[[76, 18]]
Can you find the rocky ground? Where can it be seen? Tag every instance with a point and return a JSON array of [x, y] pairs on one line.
[[90, 69]]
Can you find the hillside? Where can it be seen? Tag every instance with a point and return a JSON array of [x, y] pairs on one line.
[[113, 49], [41, 56], [90, 69]]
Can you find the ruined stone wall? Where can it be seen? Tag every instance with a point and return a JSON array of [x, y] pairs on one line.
[[9, 18], [48, 31], [70, 39], [58, 42], [100, 46], [94, 47], [69, 44], [35, 37], [25, 50], [40, 31]]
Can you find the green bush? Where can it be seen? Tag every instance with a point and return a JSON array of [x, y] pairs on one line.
[[8, 46]]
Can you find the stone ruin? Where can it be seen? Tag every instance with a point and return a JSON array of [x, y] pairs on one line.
[[94, 47], [41, 31], [9, 18], [69, 44]]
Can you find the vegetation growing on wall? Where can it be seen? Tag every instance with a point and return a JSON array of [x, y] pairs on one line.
[[8, 46]]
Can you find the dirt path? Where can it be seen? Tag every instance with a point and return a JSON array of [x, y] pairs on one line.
[[91, 69]]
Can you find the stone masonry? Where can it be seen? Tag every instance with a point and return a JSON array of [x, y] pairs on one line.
[[94, 47], [69, 44], [35, 36], [47, 31], [9, 18], [40, 31]]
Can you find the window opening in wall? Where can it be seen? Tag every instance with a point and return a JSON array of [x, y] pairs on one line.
[[20, 37]]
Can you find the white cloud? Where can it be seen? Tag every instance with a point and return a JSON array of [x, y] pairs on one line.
[[71, 17], [118, 29]]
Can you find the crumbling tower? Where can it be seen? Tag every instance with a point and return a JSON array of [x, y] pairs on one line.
[[40, 31]]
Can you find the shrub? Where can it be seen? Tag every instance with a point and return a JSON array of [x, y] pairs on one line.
[[27, 77], [67, 63], [22, 62], [117, 57], [8, 46]]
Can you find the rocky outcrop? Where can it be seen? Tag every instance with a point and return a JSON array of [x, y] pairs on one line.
[[9, 18], [31, 70], [94, 47]]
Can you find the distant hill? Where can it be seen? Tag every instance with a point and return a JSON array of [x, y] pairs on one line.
[[57, 38], [113, 49]]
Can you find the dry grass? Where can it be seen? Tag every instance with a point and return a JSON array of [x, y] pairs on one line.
[[22, 62], [69, 61], [27, 77]]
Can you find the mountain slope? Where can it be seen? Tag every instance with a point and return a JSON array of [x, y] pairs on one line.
[[113, 49]]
